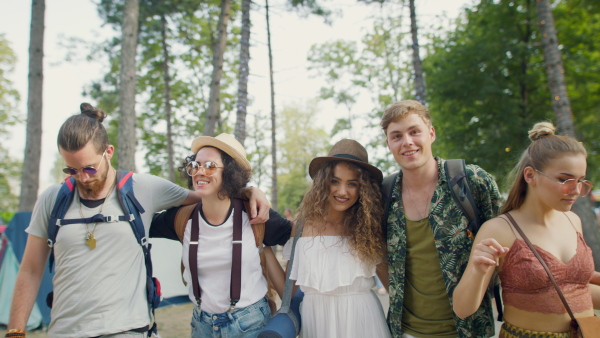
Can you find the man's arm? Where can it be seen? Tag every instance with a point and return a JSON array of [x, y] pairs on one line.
[[28, 281], [259, 205]]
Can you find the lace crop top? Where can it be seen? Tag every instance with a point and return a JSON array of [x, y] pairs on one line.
[[526, 286]]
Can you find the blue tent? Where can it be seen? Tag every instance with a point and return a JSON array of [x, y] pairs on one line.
[[17, 237]]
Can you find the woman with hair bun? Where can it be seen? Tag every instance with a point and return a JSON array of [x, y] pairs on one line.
[[548, 179]]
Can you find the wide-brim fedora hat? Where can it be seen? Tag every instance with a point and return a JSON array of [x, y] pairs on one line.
[[348, 151], [225, 142]]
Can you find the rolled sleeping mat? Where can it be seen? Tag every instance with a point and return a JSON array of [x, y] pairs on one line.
[[281, 325]]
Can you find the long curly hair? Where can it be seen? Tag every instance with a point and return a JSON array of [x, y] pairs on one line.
[[362, 221], [234, 176]]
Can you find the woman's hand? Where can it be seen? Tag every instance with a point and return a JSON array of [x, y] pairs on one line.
[[486, 255]]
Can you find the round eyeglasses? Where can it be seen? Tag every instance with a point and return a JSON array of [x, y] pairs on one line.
[[569, 185], [90, 170], [208, 169]]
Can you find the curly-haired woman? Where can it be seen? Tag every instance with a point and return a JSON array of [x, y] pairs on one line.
[[218, 171], [342, 242]]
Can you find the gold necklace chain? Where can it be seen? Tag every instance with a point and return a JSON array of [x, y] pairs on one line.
[[427, 201], [90, 239]]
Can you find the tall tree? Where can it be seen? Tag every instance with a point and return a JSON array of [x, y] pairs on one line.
[[127, 87], [555, 70], [242, 98], [273, 115], [564, 116], [417, 66], [33, 143], [167, 81], [213, 112]]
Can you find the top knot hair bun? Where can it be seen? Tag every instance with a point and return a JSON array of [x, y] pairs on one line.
[[95, 113], [541, 129]]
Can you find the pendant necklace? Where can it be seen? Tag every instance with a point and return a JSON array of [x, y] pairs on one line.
[[90, 239]]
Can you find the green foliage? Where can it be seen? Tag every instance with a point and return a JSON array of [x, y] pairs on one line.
[[190, 32], [487, 83], [10, 169], [308, 7], [578, 27], [9, 97], [302, 141], [378, 67], [6, 216]]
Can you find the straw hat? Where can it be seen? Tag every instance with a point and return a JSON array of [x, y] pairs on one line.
[[226, 143], [348, 151]]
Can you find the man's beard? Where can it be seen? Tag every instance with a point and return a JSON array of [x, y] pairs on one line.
[[92, 191]]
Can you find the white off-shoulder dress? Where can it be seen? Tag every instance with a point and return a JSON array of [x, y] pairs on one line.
[[338, 296]]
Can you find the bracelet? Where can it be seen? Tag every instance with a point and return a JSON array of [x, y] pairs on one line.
[[15, 333]]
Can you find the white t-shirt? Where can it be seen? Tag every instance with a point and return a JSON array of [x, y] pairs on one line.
[[101, 291], [214, 264]]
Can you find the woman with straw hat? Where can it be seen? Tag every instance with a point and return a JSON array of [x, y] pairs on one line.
[[342, 242], [218, 171]]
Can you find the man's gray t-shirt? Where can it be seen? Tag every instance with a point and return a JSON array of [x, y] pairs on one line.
[[101, 291]]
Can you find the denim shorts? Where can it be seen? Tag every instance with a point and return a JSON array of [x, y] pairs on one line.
[[246, 322]]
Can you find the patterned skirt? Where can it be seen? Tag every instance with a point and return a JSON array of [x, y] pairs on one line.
[[510, 331]]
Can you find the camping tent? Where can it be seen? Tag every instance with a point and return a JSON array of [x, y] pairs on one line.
[[12, 244], [166, 258], [166, 263]]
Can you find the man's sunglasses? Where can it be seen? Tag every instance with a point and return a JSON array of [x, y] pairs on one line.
[[90, 170], [208, 169]]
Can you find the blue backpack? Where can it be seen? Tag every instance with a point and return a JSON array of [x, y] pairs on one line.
[[133, 210]]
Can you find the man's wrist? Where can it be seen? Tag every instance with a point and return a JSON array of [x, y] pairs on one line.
[[14, 333]]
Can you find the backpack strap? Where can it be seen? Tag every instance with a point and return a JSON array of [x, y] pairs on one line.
[[181, 218], [458, 182], [259, 235], [61, 205], [133, 210]]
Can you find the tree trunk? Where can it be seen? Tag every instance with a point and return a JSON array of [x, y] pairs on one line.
[[418, 67], [240, 123], [33, 143], [273, 120], [555, 70], [167, 79], [212, 115], [126, 139], [564, 116]]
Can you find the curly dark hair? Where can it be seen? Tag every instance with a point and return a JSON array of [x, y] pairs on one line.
[[362, 221], [234, 176]]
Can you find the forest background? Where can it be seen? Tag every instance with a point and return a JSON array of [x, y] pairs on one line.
[[338, 64]]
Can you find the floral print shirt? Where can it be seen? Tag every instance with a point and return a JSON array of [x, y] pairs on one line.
[[449, 227]]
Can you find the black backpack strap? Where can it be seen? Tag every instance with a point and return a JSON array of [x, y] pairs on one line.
[[387, 188], [458, 182], [61, 204], [133, 211]]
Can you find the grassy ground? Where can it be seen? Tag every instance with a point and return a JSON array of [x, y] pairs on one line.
[[173, 321]]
